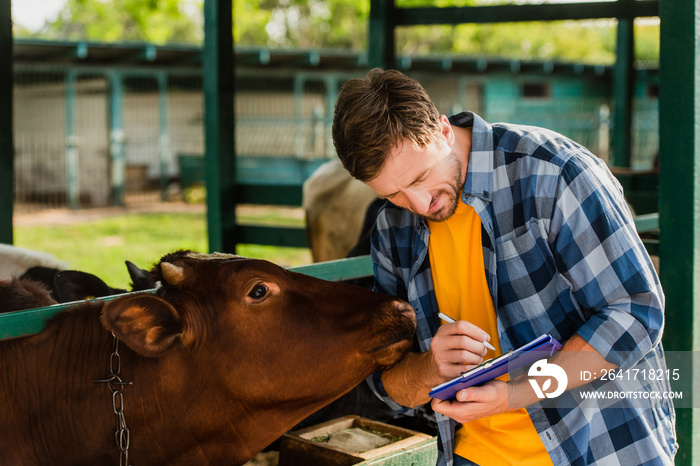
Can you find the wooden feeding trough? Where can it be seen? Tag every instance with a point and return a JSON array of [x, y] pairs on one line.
[[323, 444]]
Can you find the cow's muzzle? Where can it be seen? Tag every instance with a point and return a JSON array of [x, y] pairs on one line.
[[405, 309], [394, 326]]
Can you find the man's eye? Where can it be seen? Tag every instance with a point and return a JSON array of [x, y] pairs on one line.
[[258, 292]]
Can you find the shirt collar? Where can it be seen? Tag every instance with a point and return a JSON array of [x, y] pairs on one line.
[[479, 181]]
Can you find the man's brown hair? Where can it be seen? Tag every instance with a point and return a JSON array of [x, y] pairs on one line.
[[377, 113]]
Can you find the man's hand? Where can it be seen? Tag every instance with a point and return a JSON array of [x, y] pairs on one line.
[[475, 402], [455, 348]]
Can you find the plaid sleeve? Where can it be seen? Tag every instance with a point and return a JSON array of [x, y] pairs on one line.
[[386, 281], [383, 254], [598, 250]]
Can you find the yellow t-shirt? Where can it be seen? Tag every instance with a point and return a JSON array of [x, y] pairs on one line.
[[457, 266]]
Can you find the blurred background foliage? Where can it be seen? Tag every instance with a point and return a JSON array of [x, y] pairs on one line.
[[342, 24]]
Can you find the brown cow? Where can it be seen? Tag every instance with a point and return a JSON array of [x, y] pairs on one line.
[[227, 355]]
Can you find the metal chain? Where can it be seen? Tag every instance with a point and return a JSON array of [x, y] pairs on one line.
[[116, 386]]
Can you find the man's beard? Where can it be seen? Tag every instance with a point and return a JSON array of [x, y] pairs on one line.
[[453, 194]]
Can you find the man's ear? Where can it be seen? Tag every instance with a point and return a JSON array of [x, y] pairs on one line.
[[446, 130], [146, 323]]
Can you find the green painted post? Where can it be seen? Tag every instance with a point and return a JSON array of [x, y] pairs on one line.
[[679, 199], [116, 138], [299, 82], [332, 88], [7, 156], [72, 170], [164, 135], [382, 48], [219, 125], [623, 85]]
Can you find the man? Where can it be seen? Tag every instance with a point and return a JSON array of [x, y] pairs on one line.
[[515, 232]]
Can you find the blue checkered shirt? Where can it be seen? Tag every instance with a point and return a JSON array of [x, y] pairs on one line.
[[562, 256]]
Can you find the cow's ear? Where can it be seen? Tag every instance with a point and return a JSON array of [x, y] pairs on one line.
[[146, 323]]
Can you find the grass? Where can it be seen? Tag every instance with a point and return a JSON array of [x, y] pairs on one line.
[[101, 246]]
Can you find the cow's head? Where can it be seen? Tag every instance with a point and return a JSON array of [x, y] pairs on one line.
[[256, 327]]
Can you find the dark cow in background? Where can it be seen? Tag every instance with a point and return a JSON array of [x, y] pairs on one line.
[[66, 286], [23, 293], [225, 357]]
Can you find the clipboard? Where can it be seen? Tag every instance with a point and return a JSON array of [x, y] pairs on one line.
[[538, 348]]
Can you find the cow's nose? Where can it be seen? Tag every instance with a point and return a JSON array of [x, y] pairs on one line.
[[404, 308]]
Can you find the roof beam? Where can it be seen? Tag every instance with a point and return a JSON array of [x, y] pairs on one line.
[[64, 52], [522, 13]]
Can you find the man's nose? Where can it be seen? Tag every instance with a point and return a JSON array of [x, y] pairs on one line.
[[419, 202]]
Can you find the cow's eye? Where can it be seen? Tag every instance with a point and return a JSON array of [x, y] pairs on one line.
[[258, 292]]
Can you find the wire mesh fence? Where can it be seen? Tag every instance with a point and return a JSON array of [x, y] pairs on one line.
[[71, 125]]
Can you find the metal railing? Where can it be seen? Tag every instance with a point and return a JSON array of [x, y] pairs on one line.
[[28, 322]]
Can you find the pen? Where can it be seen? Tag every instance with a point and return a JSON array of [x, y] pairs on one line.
[[450, 320]]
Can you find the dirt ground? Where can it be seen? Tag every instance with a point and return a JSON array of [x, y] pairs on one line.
[[63, 216], [30, 215]]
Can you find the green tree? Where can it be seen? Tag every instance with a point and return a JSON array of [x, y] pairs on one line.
[[646, 43], [344, 24], [302, 23], [562, 40], [157, 21]]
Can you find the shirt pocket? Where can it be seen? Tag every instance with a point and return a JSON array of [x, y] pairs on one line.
[[525, 254], [527, 283], [516, 244]]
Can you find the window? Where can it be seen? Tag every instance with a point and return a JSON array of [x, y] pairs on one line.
[[535, 90]]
